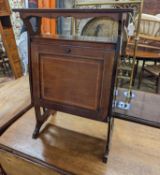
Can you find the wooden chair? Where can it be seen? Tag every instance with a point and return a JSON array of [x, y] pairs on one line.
[[153, 70], [4, 62], [150, 39]]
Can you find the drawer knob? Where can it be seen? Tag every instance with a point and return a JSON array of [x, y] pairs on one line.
[[68, 50]]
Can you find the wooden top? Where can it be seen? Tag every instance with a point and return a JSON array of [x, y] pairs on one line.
[[144, 53], [144, 107], [77, 13]]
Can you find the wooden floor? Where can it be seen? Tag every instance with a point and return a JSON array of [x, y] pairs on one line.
[[75, 145]]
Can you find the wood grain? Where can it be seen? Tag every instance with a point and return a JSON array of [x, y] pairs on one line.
[[72, 144], [4, 8], [14, 97]]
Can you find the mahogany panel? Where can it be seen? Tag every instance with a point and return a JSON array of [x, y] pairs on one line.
[[73, 81], [73, 78]]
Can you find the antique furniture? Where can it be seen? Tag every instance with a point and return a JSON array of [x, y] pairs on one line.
[[70, 73], [8, 38], [148, 47], [4, 62], [153, 70], [150, 39]]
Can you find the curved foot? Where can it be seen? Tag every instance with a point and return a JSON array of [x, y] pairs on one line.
[[35, 134], [105, 158], [36, 131]]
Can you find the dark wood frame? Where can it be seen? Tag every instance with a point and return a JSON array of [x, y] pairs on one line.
[[117, 14]]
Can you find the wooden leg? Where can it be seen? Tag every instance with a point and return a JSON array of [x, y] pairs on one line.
[[141, 76], [44, 110], [40, 119], [2, 172], [158, 85], [3, 68], [135, 72], [109, 135]]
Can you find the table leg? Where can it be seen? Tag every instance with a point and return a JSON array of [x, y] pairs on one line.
[[135, 72], [141, 76]]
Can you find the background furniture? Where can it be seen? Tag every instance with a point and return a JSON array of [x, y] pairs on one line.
[[144, 108], [125, 70], [153, 70], [8, 38], [4, 62], [150, 41]]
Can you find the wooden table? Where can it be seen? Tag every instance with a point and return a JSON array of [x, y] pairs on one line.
[[72, 145], [68, 144], [144, 53], [144, 108]]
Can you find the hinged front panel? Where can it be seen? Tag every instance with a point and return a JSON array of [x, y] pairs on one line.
[[71, 80]]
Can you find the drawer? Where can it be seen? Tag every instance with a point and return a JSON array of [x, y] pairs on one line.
[[71, 50]]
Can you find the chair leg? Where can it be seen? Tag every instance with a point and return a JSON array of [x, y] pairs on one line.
[[135, 72], [141, 76], [158, 85]]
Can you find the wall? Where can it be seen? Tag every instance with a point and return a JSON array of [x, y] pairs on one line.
[[16, 21]]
